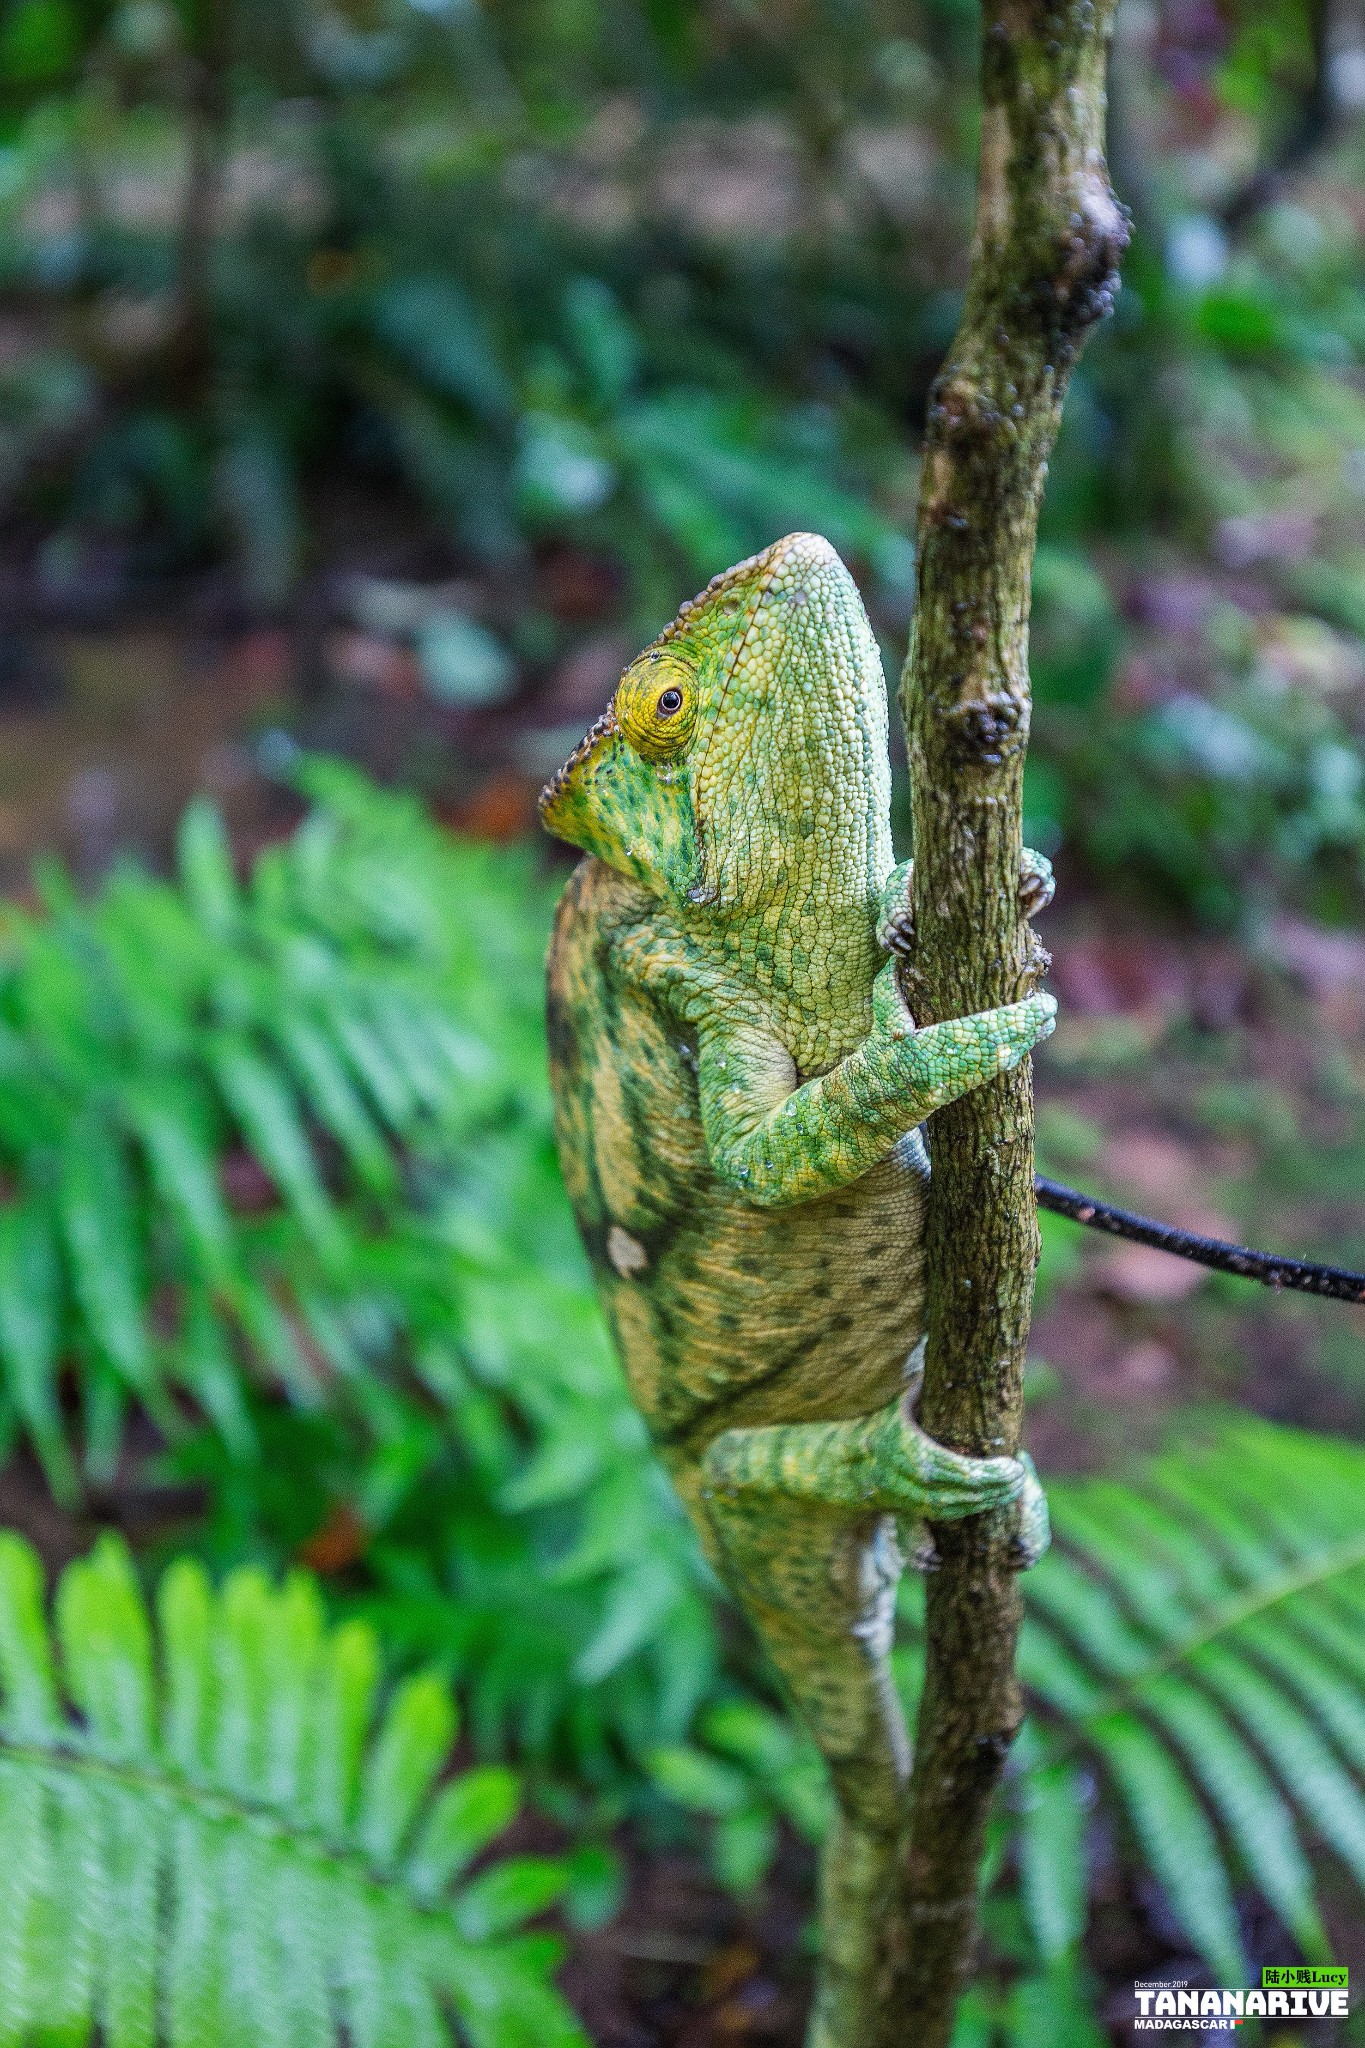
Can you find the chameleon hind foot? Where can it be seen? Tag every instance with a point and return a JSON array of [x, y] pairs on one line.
[[1029, 1542], [1037, 883], [895, 914], [882, 1464], [1033, 1533]]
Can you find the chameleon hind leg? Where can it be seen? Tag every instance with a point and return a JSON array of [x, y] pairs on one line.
[[805, 1516]]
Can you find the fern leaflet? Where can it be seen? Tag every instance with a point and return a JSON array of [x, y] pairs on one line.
[[1199, 1632], [212, 1840]]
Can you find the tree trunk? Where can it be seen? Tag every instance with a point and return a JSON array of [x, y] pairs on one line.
[[1049, 237]]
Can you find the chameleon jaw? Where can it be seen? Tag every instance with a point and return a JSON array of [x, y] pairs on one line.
[[561, 783]]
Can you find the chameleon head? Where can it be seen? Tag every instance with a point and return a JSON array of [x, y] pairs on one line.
[[744, 756]]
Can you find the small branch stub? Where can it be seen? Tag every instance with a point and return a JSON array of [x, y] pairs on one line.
[[1049, 238]]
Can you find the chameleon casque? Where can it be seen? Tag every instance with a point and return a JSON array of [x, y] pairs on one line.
[[738, 1085]]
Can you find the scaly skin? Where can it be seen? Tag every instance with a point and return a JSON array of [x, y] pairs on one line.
[[737, 1088]]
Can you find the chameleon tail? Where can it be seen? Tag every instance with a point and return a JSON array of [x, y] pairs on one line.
[[820, 1588], [805, 1519], [857, 1880]]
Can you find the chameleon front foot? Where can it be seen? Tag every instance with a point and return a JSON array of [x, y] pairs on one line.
[[896, 916]]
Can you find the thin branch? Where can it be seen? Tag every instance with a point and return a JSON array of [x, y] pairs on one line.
[[1305, 1276], [1309, 131], [208, 114], [1049, 237]]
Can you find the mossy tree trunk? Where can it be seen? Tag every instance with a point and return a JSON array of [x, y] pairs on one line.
[[1049, 237]]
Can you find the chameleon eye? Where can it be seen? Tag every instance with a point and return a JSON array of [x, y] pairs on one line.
[[656, 704]]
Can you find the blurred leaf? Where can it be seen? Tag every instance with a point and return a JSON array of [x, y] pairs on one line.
[[29, 1308], [257, 484], [561, 468], [39, 40], [697, 1780], [1052, 1853], [1214, 1559], [434, 327], [605, 341], [461, 662], [514, 1891], [96, 1205], [268, 1116]]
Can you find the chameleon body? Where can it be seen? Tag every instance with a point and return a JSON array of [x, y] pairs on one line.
[[738, 1086]]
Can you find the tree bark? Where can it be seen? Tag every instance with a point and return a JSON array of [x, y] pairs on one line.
[[1049, 238]]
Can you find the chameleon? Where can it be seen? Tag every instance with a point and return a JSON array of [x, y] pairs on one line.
[[738, 1088]]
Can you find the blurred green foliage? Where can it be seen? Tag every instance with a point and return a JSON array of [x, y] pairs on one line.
[[280, 1173], [638, 287], [655, 283], [279, 1182]]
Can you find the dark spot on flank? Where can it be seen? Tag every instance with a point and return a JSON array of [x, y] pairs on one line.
[[821, 1291], [877, 1251], [753, 1267], [559, 1031], [838, 1323], [727, 1320]]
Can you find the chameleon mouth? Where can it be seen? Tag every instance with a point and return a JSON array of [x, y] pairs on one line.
[[563, 779]]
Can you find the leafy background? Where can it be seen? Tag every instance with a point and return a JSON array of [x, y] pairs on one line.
[[374, 378]]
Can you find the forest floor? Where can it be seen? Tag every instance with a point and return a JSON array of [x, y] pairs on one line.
[[1218, 1087]]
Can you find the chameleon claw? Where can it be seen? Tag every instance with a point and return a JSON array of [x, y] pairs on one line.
[[1034, 1533], [1037, 883], [917, 1544], [896, 914], [896, 932]]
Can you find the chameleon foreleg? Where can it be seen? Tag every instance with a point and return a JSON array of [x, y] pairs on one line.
[[779, 1143]]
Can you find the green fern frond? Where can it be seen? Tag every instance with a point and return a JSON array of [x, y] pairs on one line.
[[215, 1839], [307, 1022], [276, 1167], [1198, 1632]]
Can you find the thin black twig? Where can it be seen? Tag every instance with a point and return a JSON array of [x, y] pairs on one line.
[[1303, 1275]]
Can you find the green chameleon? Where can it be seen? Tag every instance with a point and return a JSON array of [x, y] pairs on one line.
[[737, 1085]]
